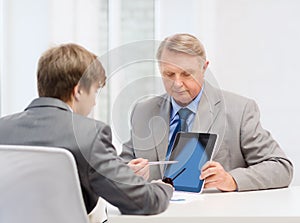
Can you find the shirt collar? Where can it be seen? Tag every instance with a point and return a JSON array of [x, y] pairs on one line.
[[70, 108], [193, 106]]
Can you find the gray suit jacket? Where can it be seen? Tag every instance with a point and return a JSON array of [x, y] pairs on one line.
[[49, 122], [244, 148]]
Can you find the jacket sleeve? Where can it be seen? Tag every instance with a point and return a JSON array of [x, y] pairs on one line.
[[268, 166], [113, 180]]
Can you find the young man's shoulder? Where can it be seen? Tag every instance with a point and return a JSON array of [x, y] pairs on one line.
[[87, 121]]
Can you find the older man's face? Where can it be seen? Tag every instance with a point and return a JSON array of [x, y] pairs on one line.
[[183, 75]]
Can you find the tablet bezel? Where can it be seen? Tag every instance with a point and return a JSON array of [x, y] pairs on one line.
[[211, 144]]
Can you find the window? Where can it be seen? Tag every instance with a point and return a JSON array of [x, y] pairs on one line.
[[131, 70], [1, 53]]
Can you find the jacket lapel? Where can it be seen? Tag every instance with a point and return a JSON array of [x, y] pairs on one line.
[[208, 109], [161, 128]]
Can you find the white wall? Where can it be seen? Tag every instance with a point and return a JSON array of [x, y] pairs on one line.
[[1, 51], [29, 28], [24, 36], [253, 47]]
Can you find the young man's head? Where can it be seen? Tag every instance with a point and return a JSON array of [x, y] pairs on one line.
[[72, 74], [182, 63]]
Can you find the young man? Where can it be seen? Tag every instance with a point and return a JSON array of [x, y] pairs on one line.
[[68, 78], [246, 156]]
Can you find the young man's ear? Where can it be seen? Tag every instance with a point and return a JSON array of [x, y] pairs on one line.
[[76, 92]]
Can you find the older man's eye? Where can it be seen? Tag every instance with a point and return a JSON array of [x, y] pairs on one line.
[[169, 74], [186, 74]]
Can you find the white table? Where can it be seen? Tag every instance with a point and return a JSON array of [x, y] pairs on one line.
[[277, 205]]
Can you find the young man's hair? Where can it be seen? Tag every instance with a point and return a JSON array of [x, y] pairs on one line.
[[61, 68], [182, 43]]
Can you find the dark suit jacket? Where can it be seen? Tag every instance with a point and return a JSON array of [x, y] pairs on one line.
[[244, 148], [50, 122]]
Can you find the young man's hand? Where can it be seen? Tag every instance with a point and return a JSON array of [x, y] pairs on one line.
[[140, 167]]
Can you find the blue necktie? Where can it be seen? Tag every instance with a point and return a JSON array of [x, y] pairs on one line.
[[184, 113], [182, 126]]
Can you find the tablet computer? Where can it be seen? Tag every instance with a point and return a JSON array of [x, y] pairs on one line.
[[191, 150]]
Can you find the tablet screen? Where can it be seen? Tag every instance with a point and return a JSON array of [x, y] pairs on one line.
[[192, 151]]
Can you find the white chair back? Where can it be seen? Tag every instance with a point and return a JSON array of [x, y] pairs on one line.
[[39, 185]]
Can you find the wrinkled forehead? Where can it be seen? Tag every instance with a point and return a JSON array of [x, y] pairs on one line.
[[177, 60]]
